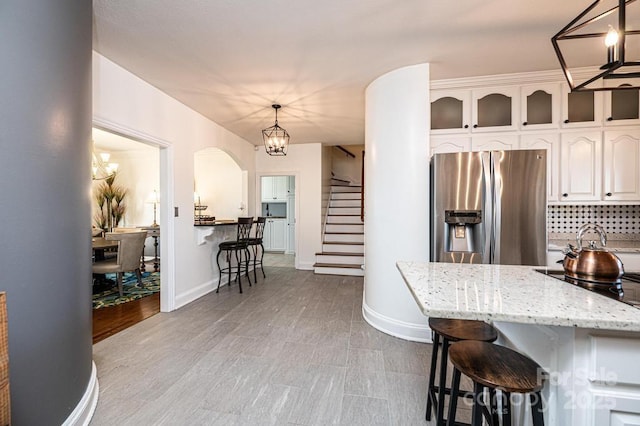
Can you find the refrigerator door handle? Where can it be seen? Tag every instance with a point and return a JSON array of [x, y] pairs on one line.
[[487, 196], [497, 206]]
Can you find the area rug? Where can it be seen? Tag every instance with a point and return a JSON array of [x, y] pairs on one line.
[[130, 287]]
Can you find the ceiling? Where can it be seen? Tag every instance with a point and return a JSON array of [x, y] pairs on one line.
[[231, 59]]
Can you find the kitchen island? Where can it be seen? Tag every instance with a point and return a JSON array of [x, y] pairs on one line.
[[588, 343]]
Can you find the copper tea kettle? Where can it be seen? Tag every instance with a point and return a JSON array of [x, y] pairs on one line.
[[593, 264]]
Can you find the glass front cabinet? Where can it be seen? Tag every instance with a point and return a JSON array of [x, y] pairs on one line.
[[581, 109], [622, 107], [540, 106], [450, 111]]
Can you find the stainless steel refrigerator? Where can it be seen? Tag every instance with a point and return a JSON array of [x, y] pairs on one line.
[[489, 207]]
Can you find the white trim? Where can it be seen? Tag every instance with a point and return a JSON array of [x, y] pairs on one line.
[[128, 132], [304, 266], [196, 293], [83, 412], [523, 78], [167, 191], [203, 289], [403, 330]]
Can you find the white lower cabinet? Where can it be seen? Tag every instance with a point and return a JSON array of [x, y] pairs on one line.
[[615, 380], [615, 410], [274, 238]]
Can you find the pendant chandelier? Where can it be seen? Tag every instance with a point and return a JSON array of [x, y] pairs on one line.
[[275, 138], [101, 168], [605, 21]]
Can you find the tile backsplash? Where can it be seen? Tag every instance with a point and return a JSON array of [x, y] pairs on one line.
[[616, 219]]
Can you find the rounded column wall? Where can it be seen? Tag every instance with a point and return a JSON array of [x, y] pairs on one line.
[[396, 197], [45, 262]]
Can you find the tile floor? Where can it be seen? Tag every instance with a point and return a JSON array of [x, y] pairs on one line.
[[292, 350]]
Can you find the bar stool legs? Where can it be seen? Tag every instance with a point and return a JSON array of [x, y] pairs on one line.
[[449, 331], [492, 368]]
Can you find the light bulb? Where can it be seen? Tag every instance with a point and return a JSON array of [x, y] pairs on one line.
[[612, 37], [105, 157]]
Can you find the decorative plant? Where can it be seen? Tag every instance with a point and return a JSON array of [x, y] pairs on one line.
[[111, 206]]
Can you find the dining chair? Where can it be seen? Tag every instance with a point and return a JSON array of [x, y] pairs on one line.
[[130, 246]]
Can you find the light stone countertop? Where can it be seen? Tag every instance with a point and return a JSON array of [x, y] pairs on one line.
[[508, 293]]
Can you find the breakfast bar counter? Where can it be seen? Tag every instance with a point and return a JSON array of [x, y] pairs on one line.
[[509, 293], [588, 343]]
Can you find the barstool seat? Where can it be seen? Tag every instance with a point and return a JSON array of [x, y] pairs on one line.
[[496, 368], [450, 330]]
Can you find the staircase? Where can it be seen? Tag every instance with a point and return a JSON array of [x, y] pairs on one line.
[[343, 238]]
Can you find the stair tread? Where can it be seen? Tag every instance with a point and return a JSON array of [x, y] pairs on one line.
[[350, 215], [343, 233], [344, 243], [336, 265], [342, 223], [339, 253]]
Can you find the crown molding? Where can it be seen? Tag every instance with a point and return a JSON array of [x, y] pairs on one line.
[[535, 77]]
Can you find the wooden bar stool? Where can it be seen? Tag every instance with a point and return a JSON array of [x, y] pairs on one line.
[[450, 330], [495, 367]]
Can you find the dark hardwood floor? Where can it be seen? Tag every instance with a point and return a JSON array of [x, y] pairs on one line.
[[111, 320]]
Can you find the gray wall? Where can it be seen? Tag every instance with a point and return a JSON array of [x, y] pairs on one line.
[[45, 253]]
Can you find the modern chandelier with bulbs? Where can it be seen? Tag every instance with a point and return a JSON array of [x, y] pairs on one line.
[[101, 168], [605, 20]]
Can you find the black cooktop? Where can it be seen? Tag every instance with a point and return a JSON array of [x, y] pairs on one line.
[[627, 291]]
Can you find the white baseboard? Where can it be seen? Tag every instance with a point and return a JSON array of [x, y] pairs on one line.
[[305, 266], [83, 412], [196, 293], [201, 290], [403, 330]]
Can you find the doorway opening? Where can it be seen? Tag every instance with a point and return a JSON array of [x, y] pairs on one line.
[[278, 205], [125, 201]]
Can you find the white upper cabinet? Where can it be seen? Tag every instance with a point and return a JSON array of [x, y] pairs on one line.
[[274, 188], [621, 165], [622, 107], [450, 111], [581, 166], [581, 109], [495, 109], [447, 144], [540, 106], [550, 142], [494, 143]]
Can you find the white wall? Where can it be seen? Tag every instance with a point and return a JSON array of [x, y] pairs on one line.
[[396, 197], [304, 161], [346, 167], [132, 107], [219, 183]]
